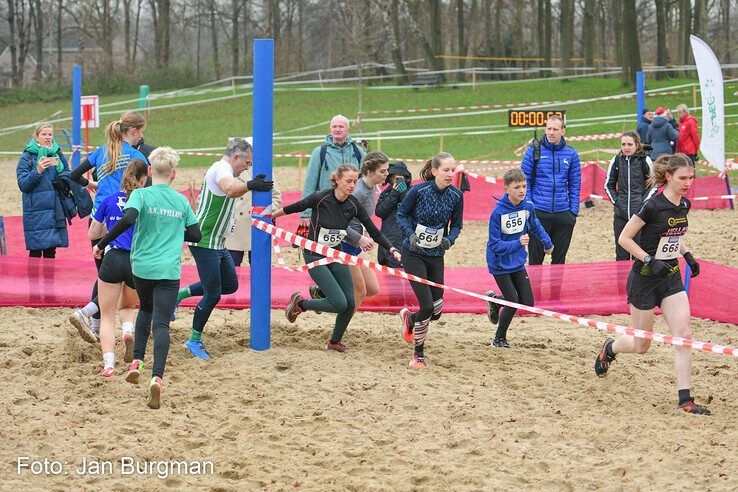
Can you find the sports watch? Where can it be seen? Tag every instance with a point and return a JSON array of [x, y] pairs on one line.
[[647, 259]]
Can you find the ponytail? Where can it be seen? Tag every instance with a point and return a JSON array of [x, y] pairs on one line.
[[135, 170], [114, 134], [667, 164], [433, 163]]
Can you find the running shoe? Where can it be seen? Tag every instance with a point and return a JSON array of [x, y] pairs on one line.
[[197, 349], [417, 362], [173, 317], [127, 343], [134, 371], [602, 362], [108, 372], [690, 406], [84, 326], [155, 388], [493, 309], [316, 293], [407, 325], [500, 343], [338, 346], [293, 308]]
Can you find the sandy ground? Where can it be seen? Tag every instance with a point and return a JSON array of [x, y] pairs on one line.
[[298, 416]]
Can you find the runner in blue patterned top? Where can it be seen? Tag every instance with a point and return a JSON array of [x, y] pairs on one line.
[[430, 217]]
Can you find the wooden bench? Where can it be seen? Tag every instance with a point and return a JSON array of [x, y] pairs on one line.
[[424, 79]]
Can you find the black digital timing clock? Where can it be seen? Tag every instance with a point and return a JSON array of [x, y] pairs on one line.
[[531, 118]]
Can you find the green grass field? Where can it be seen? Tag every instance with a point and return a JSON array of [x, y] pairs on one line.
[[209, 124]]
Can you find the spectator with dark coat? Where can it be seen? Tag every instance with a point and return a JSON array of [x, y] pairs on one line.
[[661, 133], [689, 134], [38, 166], [399, 179], [644, 124]]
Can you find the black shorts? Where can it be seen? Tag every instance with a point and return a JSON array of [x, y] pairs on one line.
[[647, 292], [116, 267]]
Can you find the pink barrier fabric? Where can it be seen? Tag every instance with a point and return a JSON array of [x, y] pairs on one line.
[[478, 205], [581, 289]]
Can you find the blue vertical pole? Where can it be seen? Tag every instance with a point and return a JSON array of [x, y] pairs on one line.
[[640, 95], [76, 112], [687, 277], [261, 242]]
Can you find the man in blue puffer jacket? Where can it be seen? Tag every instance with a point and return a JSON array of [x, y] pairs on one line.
[[554, 184]]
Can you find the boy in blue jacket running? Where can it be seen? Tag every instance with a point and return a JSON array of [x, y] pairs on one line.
[[509, 224]]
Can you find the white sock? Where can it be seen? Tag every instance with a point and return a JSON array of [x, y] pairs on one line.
[[95, 325], [127, 327], [90, 309], [109, 359]]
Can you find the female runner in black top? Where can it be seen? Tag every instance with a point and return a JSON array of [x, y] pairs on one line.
[[332, 211], [655, 279]]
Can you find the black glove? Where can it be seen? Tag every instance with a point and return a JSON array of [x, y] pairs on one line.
[[659, 268], [445, 243], [693, 265], [413, 239], [260, 183]]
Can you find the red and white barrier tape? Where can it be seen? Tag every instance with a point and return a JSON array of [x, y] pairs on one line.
[[600, 325], [302, 268], [460, 169], [600, 136], [718, 197]]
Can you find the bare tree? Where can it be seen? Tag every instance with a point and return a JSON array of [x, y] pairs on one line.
[[19, 21], [411, 9], [59, 16], [160, 13], [214, 27], [38, 27], [236, 6], [662, 55], [463, 45], [685, 27], [699, 19], [567, 32], [631, 48], [725, 26], [391, 17], [588, 32]]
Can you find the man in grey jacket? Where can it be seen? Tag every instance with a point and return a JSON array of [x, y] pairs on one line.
[[338, 149]]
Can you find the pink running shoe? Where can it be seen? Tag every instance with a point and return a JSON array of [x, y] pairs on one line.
[[127, 343], [293, 308], [407, 326], [108, 372], [134, 371], [417, 362], [338, 346]]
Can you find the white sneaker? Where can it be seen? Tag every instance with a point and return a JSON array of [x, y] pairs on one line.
[[84, 327]]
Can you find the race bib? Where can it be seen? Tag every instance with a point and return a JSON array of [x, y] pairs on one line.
[[668, 248], [428, 238], [513, 223], [331, 237]]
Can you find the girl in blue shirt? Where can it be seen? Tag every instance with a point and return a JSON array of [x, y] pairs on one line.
[[430, 217], [509, 224], [116, 290], [109, 162]]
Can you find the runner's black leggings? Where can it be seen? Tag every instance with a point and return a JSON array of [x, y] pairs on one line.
[[515, 287], [157, 298], [430, 298]]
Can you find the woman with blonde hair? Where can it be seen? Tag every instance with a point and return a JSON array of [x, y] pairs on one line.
[[39, 164], [110, 162]]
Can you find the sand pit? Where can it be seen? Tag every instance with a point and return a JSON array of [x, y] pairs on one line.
[[531, 417], [297, 416]]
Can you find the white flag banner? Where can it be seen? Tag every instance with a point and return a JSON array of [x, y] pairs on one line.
[[713, 111]]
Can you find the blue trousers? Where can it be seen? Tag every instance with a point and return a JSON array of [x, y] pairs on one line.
[[217, 276]]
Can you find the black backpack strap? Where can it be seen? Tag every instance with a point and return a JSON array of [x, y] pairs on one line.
[[357, 153], [323, 152], [536, 144]]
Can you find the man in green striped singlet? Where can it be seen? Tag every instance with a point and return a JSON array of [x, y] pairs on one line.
[[214, 213]]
